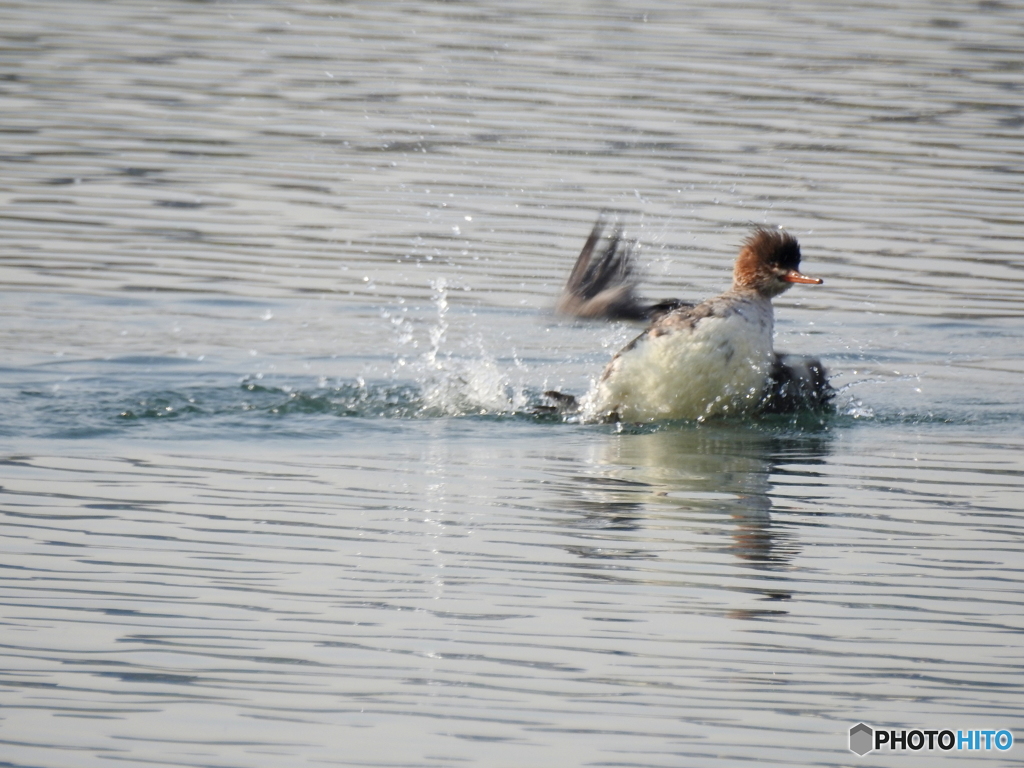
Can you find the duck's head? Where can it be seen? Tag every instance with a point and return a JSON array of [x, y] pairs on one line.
[[769, 263]]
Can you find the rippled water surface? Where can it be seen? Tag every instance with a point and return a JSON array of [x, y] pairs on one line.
[[276, 319]]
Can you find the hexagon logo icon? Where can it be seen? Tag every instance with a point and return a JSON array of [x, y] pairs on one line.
[[861, 739]]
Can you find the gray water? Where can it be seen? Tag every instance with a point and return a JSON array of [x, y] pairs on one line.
[[276, 286]]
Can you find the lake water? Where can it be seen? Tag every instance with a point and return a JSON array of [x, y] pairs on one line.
[[276, 286]]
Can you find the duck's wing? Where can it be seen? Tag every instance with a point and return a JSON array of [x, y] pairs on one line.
[[602, 284], [796, 383], [656, 311]]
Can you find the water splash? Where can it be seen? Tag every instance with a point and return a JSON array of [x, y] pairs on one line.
[[440, 328], [858, 410], [462, 382]]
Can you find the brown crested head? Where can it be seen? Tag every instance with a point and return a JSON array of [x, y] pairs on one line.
[[769, 263]]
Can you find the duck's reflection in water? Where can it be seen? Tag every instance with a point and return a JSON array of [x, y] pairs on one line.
[[692, 482]]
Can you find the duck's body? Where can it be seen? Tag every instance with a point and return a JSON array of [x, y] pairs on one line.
[[707, 360], [715, 358]]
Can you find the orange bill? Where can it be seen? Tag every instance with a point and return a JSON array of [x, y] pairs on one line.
[[795, 277]]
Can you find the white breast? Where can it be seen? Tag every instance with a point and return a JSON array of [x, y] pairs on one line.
[[717, 365]]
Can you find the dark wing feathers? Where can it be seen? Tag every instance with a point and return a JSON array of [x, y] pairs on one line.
[[796, 383], [602, 283]]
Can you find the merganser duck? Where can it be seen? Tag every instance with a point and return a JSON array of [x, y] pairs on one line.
[[715, 358]]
